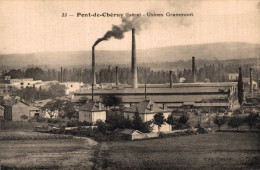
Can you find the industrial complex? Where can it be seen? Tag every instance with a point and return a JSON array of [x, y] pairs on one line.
[[171, 95]]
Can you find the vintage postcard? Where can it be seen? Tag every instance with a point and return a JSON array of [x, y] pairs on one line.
[[132, 84]]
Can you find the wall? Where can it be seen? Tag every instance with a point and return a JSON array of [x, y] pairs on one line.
[[85, 116], [32, 113], [99, 115], [1, 112], [18, 110], [144, 117], [8, 113], [144, 136], [164, 128]]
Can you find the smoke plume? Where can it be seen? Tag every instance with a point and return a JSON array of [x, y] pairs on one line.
[[127, 24]]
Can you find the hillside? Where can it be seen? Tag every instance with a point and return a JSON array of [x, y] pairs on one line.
[[213, 51]]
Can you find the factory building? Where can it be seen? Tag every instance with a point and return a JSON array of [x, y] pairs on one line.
[[188, 95]]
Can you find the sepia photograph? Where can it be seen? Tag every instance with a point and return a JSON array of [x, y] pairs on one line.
[[130, 84]]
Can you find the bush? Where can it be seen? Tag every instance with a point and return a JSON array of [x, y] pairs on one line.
[[183, 119], [251, 120], [235, 121], [102, 126], [201, 130], [220, 120]]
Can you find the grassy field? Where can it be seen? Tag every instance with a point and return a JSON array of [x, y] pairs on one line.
[[24, 149], [209, 151]]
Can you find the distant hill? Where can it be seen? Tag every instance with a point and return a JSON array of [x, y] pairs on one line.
[[212, 51]]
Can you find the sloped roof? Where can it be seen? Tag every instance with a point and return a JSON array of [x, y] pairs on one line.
[[14, 102], [10, 102], [91, 106], [145, 107]]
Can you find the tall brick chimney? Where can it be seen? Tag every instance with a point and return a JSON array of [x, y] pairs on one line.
[[93, 66], [61, 75], [134, 67]]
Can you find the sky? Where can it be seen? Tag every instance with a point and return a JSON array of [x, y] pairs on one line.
[[38, 26]]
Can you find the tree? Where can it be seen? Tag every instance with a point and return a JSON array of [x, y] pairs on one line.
[[57, 90], [251, 120], [102, 126], [138, 124], [172, 120], [69, 110], [220, 120], [111, 100], [53, 106], [159, 120], [117, 120], [182, 120], [235, 122], [83, 100], [240, 87]]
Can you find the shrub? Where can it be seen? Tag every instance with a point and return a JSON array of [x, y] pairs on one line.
[[220, 120], [102, 126], [251, 120], [235, 121]]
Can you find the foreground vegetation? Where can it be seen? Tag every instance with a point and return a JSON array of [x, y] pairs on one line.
[[46, 154], [208, 151]]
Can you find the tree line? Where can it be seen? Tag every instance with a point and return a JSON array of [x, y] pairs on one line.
[[107, 74]]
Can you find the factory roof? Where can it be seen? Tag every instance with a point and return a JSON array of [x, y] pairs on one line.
[[174, 98], [175, 90]]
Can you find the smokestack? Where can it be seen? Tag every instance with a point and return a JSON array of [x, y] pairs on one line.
[[61, 75], [116, 76], [134, 67], [251, 82], [93, 67], [193, 70], [171, 79]]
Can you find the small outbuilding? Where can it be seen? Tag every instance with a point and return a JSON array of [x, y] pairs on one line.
[[19, 111]]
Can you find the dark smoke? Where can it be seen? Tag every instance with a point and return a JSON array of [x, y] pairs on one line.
[[119, 30]]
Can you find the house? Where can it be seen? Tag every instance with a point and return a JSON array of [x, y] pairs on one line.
[[146, 110], [19, 111], [91, 112]]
